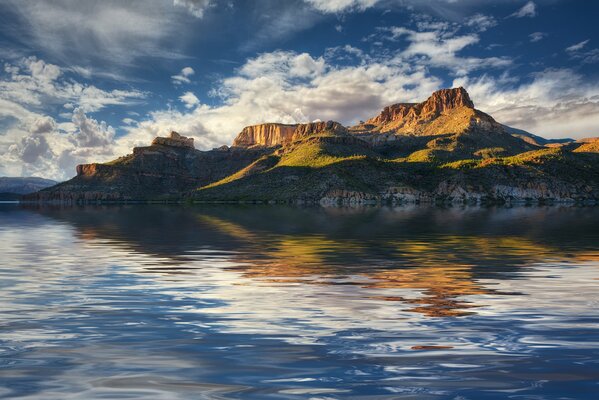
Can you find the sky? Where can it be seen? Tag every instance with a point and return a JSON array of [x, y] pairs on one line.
[[86, 81]]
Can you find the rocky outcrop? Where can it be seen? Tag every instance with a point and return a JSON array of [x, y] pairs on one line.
[[174, 140], [265, 135], [166, 169], [313, 128], [409, 115], [271, 135]]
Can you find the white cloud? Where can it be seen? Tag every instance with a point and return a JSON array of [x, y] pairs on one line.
[[441, 48], [577, 46], [89, 132], [43, 124], [114, 34], [40, 146], [183, 76], [528, 10], [283, 64], [197, 8], [31, 148], [537, 36], [481, 22], [35, 83], [336, 6], [588, 56], [34, 143], [189, 99], [557, 103]]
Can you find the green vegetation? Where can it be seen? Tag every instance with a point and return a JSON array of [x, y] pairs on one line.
[[309, 169]]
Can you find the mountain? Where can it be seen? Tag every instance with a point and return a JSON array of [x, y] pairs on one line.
[[440, 150], [12, 188], [536, 140]]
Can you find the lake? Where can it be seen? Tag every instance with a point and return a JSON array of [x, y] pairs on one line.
[[265, 302]]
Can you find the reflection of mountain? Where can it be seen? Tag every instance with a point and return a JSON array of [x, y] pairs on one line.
[[444, 254]]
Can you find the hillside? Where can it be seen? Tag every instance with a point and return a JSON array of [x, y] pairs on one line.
[[440, 150], [12, 188]]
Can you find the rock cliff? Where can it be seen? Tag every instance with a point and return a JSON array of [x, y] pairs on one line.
[[409, 115], [265, 135], [270, 135], [174, 140]]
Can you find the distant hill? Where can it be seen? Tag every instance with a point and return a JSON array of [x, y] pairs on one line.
[[534, 139], [12, 188], [440, 150]]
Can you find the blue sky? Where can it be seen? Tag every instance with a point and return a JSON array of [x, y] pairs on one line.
[[87, 80]]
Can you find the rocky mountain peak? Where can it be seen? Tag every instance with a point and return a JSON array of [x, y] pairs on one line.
[[410, 113], [446, 99], [174, 140]]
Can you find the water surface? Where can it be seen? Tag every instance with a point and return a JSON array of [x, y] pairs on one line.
[[160, 302]]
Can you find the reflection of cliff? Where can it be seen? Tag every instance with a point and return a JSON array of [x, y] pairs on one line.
[[443, 255]]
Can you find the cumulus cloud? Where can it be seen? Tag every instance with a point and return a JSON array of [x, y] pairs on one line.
[[183, 76], [34, 143], [43, 124], [557, 103], [189, 99], [89, 132], [528, 10], [31, 148]]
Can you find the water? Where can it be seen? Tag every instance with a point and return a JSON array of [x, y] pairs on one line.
[[258, 302]]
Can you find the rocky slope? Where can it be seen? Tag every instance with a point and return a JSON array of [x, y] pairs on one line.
[[440, 150], [164, 170]]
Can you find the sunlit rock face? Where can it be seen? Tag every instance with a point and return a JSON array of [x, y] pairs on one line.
[[264, 135], [412, 113], [447, 111], [270, 135], [174, 140]]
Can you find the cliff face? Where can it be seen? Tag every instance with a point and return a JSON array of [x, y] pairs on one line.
[[271, 135], [445, 111], [265, 135], [412, 113]]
